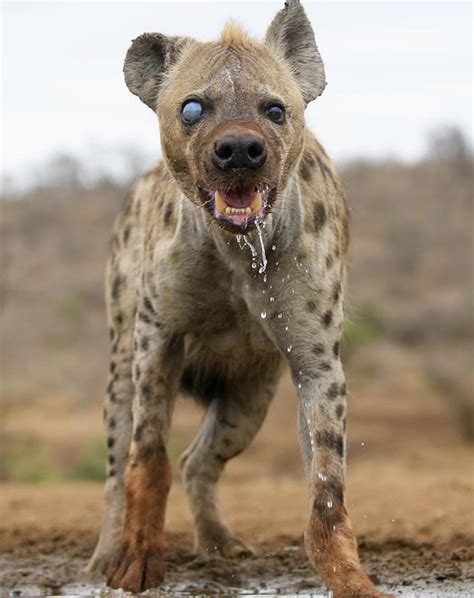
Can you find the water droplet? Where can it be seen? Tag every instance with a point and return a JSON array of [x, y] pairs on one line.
[[287, 328], [280, 316], [300, 385], [274, 247], [272, 299], [263, 265], [263, 315], [254, 265], [362, 444], [329, 504], [322, 477], [289, 348]]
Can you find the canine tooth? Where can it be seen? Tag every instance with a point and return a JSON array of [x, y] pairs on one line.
[[220, 203], [228, 210], [248, 210], [256, 204]]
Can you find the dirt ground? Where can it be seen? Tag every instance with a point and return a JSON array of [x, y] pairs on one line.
[[410, 495]]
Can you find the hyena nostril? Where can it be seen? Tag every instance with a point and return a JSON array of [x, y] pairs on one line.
[[223, 150], [256, 152], [239, 151]]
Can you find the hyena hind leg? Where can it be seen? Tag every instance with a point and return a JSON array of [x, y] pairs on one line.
[[230, 425], [118, 424]]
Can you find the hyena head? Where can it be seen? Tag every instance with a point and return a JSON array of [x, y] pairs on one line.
[[231, 112]]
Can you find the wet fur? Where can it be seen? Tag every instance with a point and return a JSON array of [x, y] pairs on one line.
[[184, 306]]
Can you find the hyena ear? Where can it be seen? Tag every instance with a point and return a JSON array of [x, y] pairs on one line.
[[147, 61], [291, 34]]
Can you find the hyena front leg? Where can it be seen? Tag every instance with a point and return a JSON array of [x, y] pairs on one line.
[[139, 560], [118, 424], [311, 344], [231, 423]]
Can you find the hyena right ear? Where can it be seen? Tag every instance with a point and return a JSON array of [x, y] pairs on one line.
[[147, 61], [291, 34]]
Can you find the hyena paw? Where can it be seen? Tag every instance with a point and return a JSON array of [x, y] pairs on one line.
[[135, 569], [229, 546], [100, 560]]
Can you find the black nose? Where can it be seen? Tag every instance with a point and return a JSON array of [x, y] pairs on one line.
[[239, 151]]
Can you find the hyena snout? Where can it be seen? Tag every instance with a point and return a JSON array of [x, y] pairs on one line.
[[239, 151]]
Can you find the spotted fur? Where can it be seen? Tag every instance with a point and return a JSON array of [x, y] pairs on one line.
[[187, 310]]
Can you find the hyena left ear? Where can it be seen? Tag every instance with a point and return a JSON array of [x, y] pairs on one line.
[[147, 61], [291, 34]]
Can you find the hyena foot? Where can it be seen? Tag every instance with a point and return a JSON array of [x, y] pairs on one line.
[[334, 555], [219, 541], [103, 555], [136, 569], [99, 561]]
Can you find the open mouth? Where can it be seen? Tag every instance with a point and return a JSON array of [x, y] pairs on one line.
[[238, 209]]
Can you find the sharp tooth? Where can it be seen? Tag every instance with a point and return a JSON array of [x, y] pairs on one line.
[[228, 210], [256, 204], [248, 210], [220, 203]]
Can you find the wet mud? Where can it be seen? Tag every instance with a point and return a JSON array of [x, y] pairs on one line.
[[52, 564]]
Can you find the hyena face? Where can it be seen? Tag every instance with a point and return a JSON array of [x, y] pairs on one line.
[[231, 112]]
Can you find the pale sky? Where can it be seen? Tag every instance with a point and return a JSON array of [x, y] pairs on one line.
[[395, 71]]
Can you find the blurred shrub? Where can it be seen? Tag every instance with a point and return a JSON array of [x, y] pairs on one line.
[[29, 461], [91, 464], [361, 328]]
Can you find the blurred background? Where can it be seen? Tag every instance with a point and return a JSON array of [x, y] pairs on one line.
[[397, 119]]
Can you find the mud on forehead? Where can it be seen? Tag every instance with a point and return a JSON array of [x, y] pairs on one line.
[[213, 72]]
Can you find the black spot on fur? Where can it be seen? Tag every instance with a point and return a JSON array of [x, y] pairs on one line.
[[330, 440], [337, 292], [111, 459], [144, 343], [148, 305], [126, 235], [138, 433], [110, 386], [112, 423], [343, 389], [112, 397], [311, 306], [335, 349], [138, 372], [146, 391], [111, 334], [119, 319], [318, 349], [327, 318], [143, 317], [329, 261], [168, 214], [110, 442], [333, 391], [111, 473], [116, 287], [340, 410], [306, 166], [325, 366], [112, 367], [319, 214]]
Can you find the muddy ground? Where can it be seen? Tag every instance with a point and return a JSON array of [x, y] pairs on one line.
[[410, 495]]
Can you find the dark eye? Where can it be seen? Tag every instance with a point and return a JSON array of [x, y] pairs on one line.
[[276, 113], [191, 111]]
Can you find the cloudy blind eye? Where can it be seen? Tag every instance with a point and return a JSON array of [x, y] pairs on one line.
[[191, 111]]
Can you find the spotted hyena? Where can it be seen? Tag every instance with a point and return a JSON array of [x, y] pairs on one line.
[[227, 261]]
